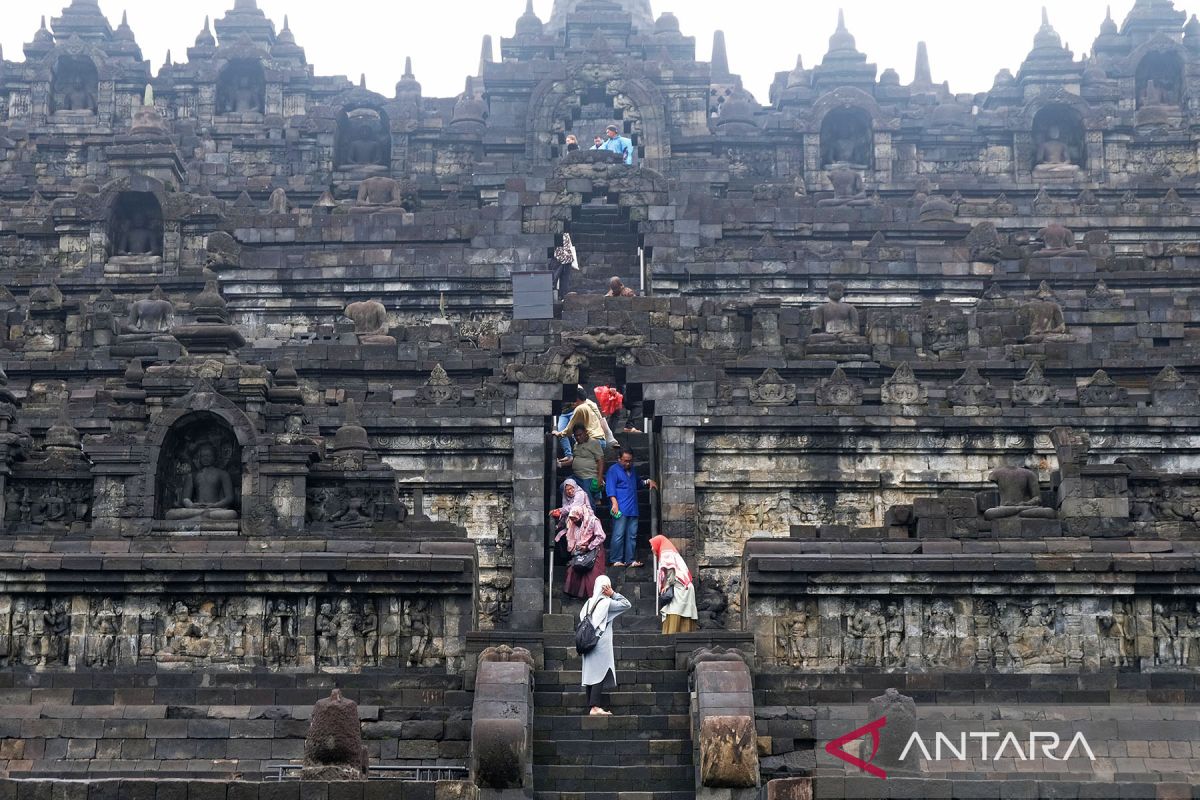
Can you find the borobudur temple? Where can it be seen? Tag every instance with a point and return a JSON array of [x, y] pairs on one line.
[[910, 378]]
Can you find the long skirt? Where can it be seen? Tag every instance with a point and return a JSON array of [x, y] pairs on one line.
[[673, 623], [582, 584]]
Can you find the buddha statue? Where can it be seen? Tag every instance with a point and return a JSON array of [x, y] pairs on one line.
[[243, 97], [1153, 94], [207, 490], [1058, 242], [75, 96], [139, 237], [1053, 151], [151, 315], [1020, 495], [848, 188], [379, 191], [364, 145], [370, 322], [1043, 318], [835, 321]]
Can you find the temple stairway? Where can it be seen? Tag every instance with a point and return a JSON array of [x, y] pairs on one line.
[[644, 750], [607, 244]]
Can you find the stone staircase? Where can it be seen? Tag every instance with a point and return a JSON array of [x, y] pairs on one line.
[[644, 750], [607, 244]]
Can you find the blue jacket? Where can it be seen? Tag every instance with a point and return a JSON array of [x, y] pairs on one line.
[[621, 146], [623, 486]]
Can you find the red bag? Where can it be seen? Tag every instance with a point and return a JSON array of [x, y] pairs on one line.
[[609, 399]]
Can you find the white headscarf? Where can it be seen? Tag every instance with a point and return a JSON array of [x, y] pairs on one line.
[[598, 604]]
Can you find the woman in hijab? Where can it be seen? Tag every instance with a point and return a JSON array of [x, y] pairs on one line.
[[584, 534], [679, 614], [600, 666]]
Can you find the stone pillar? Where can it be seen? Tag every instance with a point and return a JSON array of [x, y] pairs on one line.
[[678, 482], [723, 730], [533, 405], [502, 724]]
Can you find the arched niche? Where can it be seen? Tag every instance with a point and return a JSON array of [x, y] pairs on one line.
[[74, 85], [1058, 137], [199, 473], [579, 103], [135, 225], [364, 138], [241, 88], [1159, 80], [846, 138]]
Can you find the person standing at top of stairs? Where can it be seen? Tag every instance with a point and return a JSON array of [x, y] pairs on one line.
[[599, 664]]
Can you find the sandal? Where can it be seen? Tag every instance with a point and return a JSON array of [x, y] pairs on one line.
[[636, 564], [619, 564]]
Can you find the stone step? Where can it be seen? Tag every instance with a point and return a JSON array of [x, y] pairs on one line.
[[561, 702], [614, 778], [681, 795], [642, 680], [613, 752], [618, 726]]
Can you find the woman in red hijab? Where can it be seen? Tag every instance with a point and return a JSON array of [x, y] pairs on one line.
[[679, 613]]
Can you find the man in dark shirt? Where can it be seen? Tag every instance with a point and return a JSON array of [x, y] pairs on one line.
[[622, 484]]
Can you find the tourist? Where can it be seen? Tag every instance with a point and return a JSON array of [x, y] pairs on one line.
[[572, 495], [599, 665], [616, 143], [572, 143], [564, 260], [587, 463], [618, 289], [622, 484], [585, 541], [598, 143], [678, 611], [584, 413]]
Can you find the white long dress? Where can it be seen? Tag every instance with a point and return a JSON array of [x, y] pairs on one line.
[[601, 660]]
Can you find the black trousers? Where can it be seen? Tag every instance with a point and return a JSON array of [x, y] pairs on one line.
[[595, 692]]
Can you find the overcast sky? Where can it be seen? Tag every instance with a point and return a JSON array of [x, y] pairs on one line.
[[969, 40]]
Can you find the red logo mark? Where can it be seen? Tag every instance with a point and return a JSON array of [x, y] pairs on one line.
[[834, 748]]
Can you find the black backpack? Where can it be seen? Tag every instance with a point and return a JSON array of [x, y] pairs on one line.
[[586, 635]]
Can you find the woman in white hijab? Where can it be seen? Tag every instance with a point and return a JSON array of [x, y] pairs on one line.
[[599, 666]]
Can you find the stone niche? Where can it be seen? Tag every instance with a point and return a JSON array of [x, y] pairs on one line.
[[74, 86], [241, 88], [199, 477], [364, 139], [846, 138], [1059, 149], [135, 231], [1159, 80]]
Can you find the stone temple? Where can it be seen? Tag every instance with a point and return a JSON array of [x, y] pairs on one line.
[[917, 375]]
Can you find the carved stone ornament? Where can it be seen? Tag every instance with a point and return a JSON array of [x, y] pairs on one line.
[[769, 389], [1103, 391], [971, 389], [439, 390], [838, 390], [903, 388], [1033, 389]]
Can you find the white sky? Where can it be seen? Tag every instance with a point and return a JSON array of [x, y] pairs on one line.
[[969, 40]]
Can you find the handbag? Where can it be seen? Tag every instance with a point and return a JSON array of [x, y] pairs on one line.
[[586, 635], [667, 596], [584, 562]]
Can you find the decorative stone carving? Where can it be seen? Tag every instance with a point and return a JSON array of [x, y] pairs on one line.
[[865, 633], [280, 632], [838, 390], [835, 320], [380, 191], [439, 390], [970, 390], [941, 640], [1034, 642], [1101, 390], [1100, 297], [1169, 389], [903, 388], [104, 625], [333, 749], [1033, 389], [1120, 640], [770, 389], [279, 202], [1020, 495], [152, 315]]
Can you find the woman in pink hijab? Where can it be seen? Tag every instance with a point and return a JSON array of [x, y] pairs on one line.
[[679, 613], [585, 537]]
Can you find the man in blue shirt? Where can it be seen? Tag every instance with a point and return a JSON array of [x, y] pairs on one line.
[[622, 485], [618, 144]]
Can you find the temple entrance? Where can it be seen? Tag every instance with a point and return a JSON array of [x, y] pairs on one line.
[[587, 114]]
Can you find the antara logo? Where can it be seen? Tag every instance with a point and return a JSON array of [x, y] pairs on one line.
[[834, 748], [1041, 744]]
